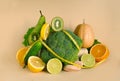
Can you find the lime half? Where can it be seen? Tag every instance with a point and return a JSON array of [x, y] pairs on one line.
[[54, 66], [88, 60]]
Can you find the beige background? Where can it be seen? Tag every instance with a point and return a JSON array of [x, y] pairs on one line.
[[16, 16]]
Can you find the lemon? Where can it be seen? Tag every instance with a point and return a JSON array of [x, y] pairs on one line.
[[21, 55], [54, 66], [45, 31], [35, 64]]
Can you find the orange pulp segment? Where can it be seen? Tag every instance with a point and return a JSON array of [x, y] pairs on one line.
[[21, 55], [100, 52]]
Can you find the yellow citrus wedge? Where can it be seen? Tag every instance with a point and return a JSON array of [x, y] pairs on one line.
[[45, 31], [35, 64], [21, 55], [100, 52]]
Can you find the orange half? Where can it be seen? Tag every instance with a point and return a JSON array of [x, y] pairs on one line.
[[100, 52], [21, 55]]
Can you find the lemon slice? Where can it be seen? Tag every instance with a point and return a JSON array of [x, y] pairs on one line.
[[54, 66], [21, 55], [45, 31], [35, 64]]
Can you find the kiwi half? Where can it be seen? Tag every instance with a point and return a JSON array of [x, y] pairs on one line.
[[57, 23]]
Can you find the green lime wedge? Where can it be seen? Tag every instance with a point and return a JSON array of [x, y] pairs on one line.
[[54, 66], [57, 23], [88, 60]]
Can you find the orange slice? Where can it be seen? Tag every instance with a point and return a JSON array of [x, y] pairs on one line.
[[21, 55], [100, 52]]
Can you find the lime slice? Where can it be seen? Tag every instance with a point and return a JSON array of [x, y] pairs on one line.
[[57, 23], [54, 66], [88, 60]]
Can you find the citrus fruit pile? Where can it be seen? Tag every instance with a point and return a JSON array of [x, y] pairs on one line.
[[88, 51]]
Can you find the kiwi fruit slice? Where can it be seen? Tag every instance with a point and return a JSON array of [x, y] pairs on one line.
[[57, 23]]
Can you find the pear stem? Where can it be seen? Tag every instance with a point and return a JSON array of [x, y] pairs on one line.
[[41, 12], [83, 21]]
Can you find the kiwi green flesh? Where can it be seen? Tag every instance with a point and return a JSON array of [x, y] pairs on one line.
[[57, 23]]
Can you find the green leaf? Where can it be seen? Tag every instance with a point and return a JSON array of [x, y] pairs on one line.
[[26, 42]]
